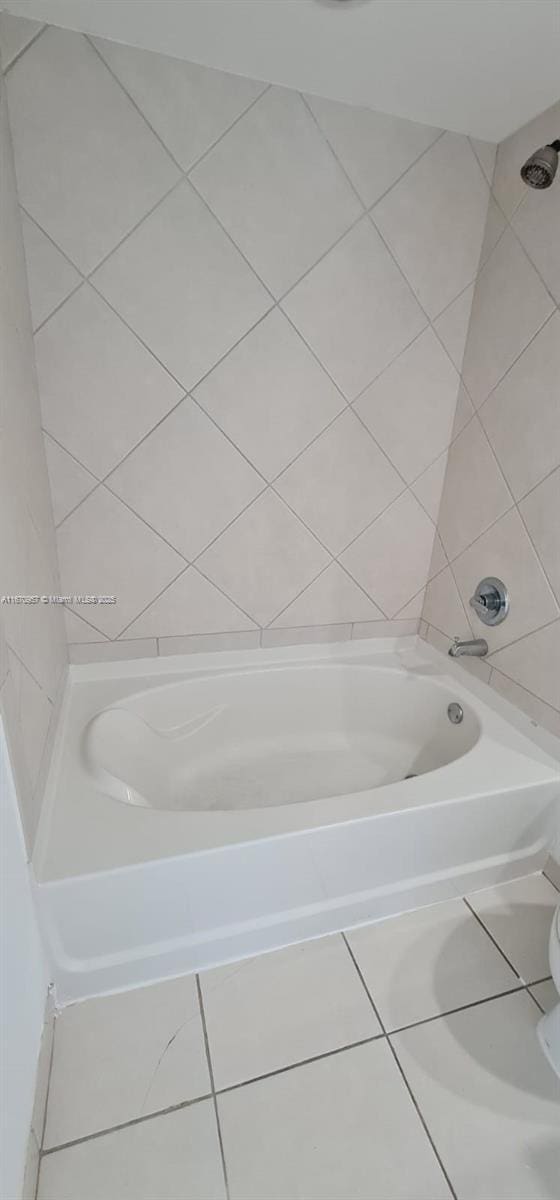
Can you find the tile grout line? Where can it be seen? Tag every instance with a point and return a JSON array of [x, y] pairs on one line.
[[24, 49], [400, 1069], [151, 1116], [47, 1097], [492, 939], [212, 1083], [384, 1035]]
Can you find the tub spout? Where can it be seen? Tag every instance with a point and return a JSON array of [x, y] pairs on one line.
[[477, 648]]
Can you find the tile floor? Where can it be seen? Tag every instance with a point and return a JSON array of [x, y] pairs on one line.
[[397, 1061]]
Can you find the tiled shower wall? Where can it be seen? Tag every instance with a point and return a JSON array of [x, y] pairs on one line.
[[250, 309], [500, 508], [32, 643]]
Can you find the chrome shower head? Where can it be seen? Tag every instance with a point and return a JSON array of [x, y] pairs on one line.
[[540, 168]]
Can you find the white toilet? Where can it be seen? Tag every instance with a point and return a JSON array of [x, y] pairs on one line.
[[549, 1025]]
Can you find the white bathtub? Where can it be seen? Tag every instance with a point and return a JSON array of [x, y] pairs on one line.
[[203, 808]]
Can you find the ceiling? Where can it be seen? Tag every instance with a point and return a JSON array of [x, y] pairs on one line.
[[482, 67]]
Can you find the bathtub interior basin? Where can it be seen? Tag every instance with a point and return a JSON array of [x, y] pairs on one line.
[[261, 739]]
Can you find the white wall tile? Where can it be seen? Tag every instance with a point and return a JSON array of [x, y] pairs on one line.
[[50, 276], [522, 416], [428, 488], [88, 166], [333, 597], [536, 225], [453, 325], [307, 635], [341, 483], [69, 481], [112, 651], [104, 549], [183, 287], [506, 552], [392, 558], [276, 187], [534, 663], [471, 501], [189, 605], [245, 563], [443, 606], [534, 708], [15, 34], [433, 221], [270, 395], [101, 390], [511, 301], [208, 643], [540, 511], [410, 408], [355, 309], [188, 105], [374, 148], [396, 628], [187, 457], [78, 630], [486, 154]]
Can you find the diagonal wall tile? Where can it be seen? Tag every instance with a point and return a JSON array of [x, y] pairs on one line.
[[374, 148], [453, 326], [276, 187], [15, 34], [410, 408], [245, 561], [50, 276], [69, 482], [505, 551], [511, 301], [340, 483], [88, 166], [101, 391], [541, 513], [428, 488], [104, 549], [355, 309], [522, 416], [182, 286], [443, 607], [186, 480], [536, 225], [270, 395], [486, 155], [188, 105], [329, 600], [391, 559], [191, 604], [534, 663], [433, 221], [470, 504]]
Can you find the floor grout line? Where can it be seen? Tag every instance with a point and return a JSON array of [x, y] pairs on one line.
[[212, 1083], [400, 1069], [492, 938], [99, 1133]]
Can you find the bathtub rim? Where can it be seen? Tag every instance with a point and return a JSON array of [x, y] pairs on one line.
[[412, 651]]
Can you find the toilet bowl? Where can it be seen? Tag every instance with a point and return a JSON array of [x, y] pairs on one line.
[[549, 1025]]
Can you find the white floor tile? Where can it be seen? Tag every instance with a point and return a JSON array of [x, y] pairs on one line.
[[120, 1057], [343, 1127], [489, 1099], [519, 916], [428, 962], [174, 1157], [277, 1009], [545, 994]]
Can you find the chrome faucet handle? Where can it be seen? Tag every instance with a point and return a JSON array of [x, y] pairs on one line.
[[490, 601]]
